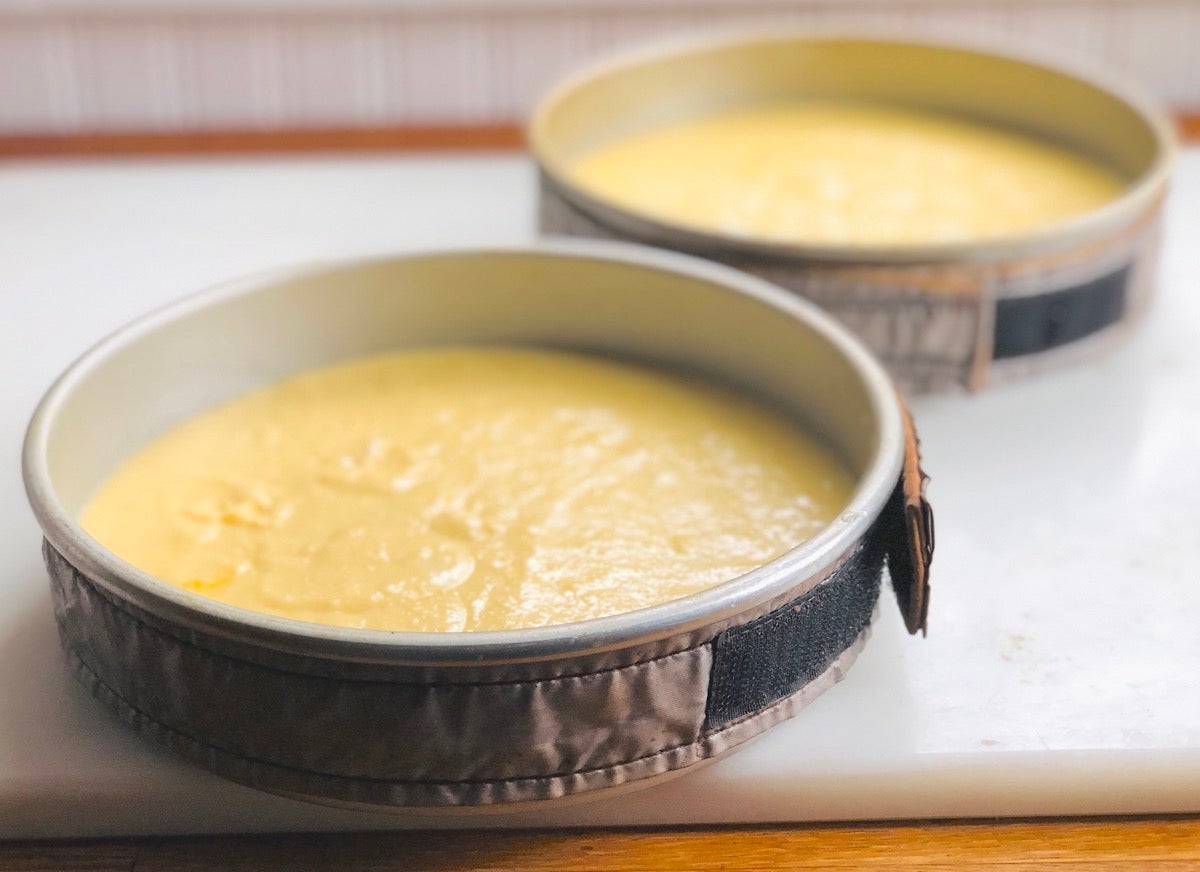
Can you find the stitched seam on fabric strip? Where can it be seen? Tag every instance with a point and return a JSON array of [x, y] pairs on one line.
[[128, 706], [259, 761], [932, 359], [118, 606], [898, 299]]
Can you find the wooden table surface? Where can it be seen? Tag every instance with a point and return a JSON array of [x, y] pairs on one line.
[[1057, 844], [1163, 843]]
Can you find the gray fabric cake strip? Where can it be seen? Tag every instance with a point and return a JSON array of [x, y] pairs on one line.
[[929, 322], [1027, 325], [760, 663], [394, 741]]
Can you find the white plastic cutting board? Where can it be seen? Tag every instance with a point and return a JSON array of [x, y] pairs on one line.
[[1062, 670]]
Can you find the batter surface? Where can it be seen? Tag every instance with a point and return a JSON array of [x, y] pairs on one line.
[[843, 173], [468, 489]]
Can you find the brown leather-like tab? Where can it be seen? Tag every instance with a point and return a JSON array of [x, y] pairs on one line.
[[909, 534]]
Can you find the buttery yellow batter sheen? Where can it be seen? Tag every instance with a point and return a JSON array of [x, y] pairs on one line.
[[845, 174], [468, 489]]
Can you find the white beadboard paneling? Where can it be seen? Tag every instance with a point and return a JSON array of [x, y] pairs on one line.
[[320, 74], [25, 86], [63, 81], [541, 51], [231, 74], [1152, 42], [119, 72], [162, 50], [377, 89], [178, 64]]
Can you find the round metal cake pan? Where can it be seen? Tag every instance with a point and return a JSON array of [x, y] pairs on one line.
[[940, 316], [399, 719]]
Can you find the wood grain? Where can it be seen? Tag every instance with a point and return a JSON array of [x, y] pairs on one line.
[[1063, 846], [480, 137], [1188, 127], [449, 137]]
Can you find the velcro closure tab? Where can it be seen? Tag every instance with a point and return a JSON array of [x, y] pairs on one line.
[[907, 534]]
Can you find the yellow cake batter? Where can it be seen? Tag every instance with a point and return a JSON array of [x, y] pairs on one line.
[[468, 489], [845, 174]]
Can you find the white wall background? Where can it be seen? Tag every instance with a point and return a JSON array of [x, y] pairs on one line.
[[149, 65]]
